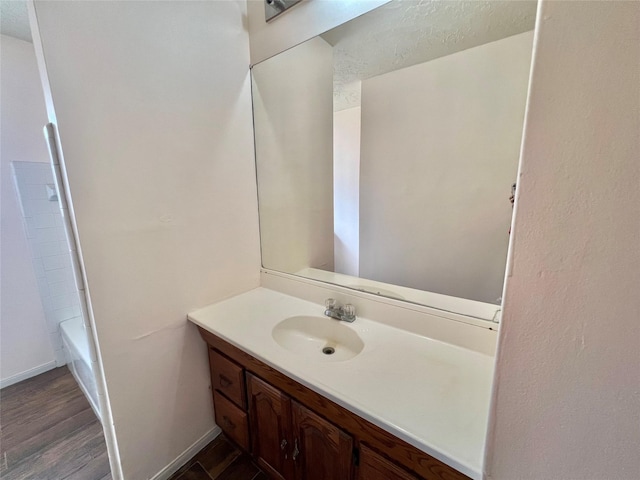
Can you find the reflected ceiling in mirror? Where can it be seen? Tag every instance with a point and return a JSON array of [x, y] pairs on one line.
[[386, 150]]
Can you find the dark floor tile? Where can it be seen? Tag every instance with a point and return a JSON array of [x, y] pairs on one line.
[[196, 472], [241, 469], [17, 449], [221, 460], [32, 423], [25, 393], [61, 458], [96, 468], [42, 379], [217, 456], [49, 432], [43, 404]]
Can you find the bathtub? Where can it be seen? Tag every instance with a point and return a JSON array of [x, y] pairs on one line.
[[78, 356]]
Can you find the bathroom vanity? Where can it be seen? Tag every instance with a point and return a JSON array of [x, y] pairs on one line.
[[391, 405], [386, 149]]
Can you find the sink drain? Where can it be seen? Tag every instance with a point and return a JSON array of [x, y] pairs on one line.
[[328, 350]]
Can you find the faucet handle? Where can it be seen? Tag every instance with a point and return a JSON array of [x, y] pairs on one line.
[[330, 303], [349, 311]]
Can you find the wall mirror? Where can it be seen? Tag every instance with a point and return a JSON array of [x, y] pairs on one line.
[[386, 151]]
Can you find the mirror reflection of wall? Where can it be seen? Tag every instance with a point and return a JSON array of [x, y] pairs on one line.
[[292, 98], [404, 176]]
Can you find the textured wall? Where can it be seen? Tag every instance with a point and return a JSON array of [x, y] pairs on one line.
[[153, 106], [566, 396]]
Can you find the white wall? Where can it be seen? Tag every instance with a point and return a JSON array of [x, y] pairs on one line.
[[25, 348], [302, 22], [346, 191], [566, 402], [440, 148], [152, 102], [293, 112]]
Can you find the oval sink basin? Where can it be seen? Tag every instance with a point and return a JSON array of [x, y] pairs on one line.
[[320, 338]]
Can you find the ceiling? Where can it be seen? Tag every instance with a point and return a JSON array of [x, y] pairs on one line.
[[402, 33], [14, 19]]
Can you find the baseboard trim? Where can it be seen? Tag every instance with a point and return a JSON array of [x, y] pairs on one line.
[[187, 455], [32, 372]]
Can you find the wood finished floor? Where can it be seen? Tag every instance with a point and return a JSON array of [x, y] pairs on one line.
[[220, 460], [48, 431]]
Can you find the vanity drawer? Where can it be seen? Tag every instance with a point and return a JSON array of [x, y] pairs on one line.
[[375, 467], [231, 420], [228, 377]]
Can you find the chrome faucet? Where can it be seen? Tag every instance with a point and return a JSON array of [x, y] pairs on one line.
[[346, 313]]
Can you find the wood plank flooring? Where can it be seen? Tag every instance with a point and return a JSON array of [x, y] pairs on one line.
[[220, 460], [48, 431]]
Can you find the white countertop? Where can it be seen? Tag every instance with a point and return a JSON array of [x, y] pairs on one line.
[[433, 395]]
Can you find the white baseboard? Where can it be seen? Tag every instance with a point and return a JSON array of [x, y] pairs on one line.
[[187, 455], [32, 372]]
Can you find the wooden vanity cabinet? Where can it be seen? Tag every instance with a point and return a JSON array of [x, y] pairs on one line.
[[321, 450], [290, 441], [229, 398], [227, 377], [295, 433], [232, 420], [375, 467], [270, 412]]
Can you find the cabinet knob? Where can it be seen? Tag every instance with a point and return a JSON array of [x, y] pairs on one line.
[[224, 381], [228, 423], [283, 444]]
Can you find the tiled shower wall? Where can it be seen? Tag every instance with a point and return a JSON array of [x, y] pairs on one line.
[[49, 248]]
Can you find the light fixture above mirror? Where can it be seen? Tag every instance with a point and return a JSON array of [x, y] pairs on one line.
[[273, 8]]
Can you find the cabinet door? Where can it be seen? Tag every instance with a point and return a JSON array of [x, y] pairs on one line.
[[321, 450], [376, 467], [270, 411]]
